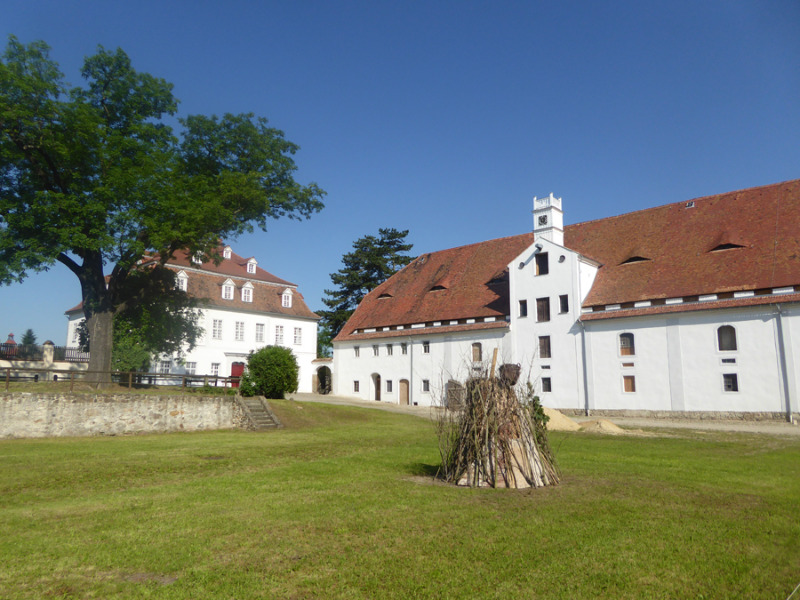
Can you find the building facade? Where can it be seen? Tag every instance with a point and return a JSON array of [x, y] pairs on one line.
[[688, 307], [242, 308]]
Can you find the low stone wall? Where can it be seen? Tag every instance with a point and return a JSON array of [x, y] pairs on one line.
[[27, 415], [682, 415]]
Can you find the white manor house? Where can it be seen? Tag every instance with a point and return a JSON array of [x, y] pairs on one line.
[[692, 306], [242, 308]]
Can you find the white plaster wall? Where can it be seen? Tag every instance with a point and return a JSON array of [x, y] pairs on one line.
[[450, 357], [650, 364], [690, 376], [565, 370], [228, 350]]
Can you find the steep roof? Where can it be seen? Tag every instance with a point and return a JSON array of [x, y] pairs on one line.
[[235, 266], [458, 284], [266, 298], [205, 283], [744, 240]]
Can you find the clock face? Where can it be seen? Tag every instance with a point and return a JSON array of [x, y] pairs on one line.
[[542, 219]]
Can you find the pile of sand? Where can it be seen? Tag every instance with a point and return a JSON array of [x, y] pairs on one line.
[[602, 426], [559, 422]]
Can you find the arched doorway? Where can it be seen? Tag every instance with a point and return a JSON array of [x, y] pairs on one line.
[[403, 392], [376, 387], [323, 380]]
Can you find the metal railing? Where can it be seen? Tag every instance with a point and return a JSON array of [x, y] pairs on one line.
[[35, 352], [123, 378]]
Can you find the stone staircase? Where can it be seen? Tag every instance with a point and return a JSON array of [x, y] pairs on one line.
[[259, 413]]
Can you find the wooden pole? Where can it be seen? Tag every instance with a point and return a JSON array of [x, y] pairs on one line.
[[494, 363]]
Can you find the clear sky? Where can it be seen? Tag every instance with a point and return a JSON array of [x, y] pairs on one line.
[[446, 118]]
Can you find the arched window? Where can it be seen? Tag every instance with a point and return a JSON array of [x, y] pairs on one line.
[[626, 346], [726, 338], [477, 352]]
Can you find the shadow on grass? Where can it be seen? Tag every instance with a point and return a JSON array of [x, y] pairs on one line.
[[423, 470]]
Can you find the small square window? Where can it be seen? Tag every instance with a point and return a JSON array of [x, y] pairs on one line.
[[356, 351], [629, 383], [404, 348], [730, 382], [523, 308], [563, 302], [191, 368], [375, 350], [547, 385], [426, 347]]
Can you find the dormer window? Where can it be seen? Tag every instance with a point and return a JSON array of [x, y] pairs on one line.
[[247, 292], [182, 281], [227, 290], [197, 258], [438, 288], [384, 295], [634, 259], [226, 252], [251, 266], [286, 299], [726, 247]]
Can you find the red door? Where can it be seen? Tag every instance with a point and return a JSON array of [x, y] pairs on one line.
[[237, 369]]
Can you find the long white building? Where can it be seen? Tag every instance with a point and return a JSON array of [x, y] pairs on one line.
[[242, 308], [688, 307]]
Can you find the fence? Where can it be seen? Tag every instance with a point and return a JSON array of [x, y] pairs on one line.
[[124, 378], [34, 352]]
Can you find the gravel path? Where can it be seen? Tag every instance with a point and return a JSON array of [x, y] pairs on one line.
[[761, 427]]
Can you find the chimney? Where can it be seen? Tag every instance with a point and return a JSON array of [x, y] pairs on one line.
[[548, 219]]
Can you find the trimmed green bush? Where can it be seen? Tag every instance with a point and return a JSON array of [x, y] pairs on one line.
[[271, 372]]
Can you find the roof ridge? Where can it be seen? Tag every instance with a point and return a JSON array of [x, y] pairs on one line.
[[669, 204], [506, 237]]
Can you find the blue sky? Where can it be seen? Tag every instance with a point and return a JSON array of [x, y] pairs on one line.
[[446, 118]]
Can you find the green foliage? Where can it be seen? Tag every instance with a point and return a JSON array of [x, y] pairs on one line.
[[372, 261], [28, 338], [271, 371], [95, 178]]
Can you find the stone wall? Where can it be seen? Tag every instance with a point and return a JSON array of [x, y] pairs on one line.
[[28, 415]]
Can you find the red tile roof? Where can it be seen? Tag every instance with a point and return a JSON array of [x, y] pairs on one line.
[[235, 266], [677, 242], [205, 283], [474, 284]]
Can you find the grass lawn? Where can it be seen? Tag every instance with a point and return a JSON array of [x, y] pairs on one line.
[[341, 504]]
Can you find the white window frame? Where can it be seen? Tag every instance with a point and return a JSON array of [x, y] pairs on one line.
[[164, 366], [279, 335], [182, 281], [260, 328], [239, 331], [191, 368], [226, 252], [247, 292], [251, 266], [298, 336], [286, 299], [215, 369], [227, 290], [216, 329]]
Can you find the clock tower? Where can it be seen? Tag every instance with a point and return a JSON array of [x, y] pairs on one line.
[[548, 219]]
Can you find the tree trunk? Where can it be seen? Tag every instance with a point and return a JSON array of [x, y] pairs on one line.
[[101, 334]]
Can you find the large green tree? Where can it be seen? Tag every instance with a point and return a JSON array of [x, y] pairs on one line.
[[95, 178], [373, 260]]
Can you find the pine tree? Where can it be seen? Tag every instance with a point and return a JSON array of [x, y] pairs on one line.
[[372, 261]]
